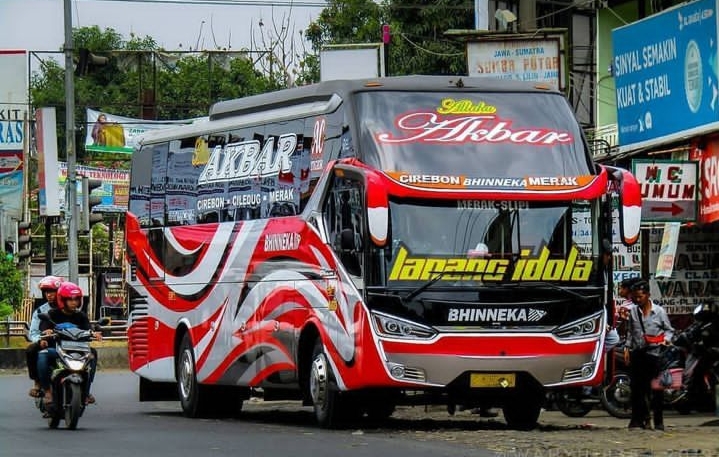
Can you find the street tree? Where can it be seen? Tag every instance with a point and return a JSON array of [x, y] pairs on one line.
[[139, 79], [11, 286], [418, 45]]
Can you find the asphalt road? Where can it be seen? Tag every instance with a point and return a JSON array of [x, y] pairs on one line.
[[119, 425]]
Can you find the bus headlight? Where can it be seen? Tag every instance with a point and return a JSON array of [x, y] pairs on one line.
[[582, 328], [395, 327]]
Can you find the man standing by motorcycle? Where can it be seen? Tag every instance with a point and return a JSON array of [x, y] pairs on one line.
[[48, 288], [649, 328], [69, 301]]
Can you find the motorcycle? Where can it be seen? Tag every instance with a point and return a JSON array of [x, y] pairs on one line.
[[613, 393], [701, 342], [69, 380]]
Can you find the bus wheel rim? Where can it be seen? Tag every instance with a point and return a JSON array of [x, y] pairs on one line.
[[187, 372], [319, 381]]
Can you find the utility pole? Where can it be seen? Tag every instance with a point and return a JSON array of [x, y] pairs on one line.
[[71, 182]]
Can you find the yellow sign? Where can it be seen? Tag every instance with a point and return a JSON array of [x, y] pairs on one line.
[[452, 106], [527, 268]]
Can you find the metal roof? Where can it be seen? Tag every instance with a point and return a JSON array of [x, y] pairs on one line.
[[324, 90]]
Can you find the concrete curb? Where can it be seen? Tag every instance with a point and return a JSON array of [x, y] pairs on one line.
[[109, 357]]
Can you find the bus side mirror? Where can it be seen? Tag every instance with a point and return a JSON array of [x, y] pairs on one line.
[[377, 210], [630, 203]]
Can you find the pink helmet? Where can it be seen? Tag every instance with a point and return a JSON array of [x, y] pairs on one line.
[[68, 290], [50, 283]]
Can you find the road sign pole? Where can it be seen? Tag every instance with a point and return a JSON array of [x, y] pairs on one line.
[[71, 182]]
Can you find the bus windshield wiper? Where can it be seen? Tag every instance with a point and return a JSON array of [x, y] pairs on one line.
[[566, 290], [438, 275]]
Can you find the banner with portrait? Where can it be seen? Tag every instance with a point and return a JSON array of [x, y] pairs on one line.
[[117, 134]]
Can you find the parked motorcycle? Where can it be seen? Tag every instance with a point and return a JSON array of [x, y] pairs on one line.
[[701, 342], [615, 392], [69, 381]]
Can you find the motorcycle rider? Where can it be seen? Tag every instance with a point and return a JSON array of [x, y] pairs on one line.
[[648, 329], [48, 288], [69, 300]]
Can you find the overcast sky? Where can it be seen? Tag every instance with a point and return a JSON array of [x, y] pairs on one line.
[[37, 25]]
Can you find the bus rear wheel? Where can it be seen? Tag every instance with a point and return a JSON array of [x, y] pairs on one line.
[[192, 395]]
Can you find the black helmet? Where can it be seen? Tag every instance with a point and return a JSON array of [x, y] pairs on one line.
[[629, 282], [641, 285]]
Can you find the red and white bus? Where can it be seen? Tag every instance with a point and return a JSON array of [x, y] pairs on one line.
[[363, 244]]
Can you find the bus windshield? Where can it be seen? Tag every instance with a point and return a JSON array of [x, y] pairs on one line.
[[481, 135], [490, 241]]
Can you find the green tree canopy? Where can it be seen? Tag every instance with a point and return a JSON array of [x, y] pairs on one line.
[[418, 45], [141, 80], [11, 286]]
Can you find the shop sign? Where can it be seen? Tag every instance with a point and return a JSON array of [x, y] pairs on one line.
[[536, 60], [669, 189], [694, 278], [708, 158], [665, 76]]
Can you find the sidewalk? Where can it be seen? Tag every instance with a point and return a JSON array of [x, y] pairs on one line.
[[599, 418]]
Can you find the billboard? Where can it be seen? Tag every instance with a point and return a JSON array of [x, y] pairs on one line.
[[530, 59], [13, 111], [357, 62], [46, 140], [114, 191], [13, 99], [118, 134], [665, 73]]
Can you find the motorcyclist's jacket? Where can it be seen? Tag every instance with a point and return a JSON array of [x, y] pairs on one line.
[[34, 333], [57, 316]]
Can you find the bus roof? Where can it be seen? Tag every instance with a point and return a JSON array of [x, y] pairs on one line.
[[325, 97], [324, 90]]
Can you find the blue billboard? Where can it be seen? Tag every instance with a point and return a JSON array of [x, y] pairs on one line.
[[665, 70]]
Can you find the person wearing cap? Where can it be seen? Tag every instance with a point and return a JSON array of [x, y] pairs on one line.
[[649, 328], [623, 303]]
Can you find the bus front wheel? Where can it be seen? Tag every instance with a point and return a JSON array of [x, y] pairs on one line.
[[522, 410], [323, 389]]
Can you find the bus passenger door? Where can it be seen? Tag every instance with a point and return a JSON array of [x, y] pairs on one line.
[[156, 228], [344, 219]]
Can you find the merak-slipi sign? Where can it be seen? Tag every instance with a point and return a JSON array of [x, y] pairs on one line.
[[669, 189]]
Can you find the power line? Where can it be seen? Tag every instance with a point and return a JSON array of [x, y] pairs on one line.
[[288, 3]]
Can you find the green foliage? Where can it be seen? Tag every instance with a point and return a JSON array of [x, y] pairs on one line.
[[417, 46], [347, 21], [11, 286], [141, 81]]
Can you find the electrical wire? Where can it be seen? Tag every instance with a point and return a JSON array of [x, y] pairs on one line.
[[287, 3], [439, 54]]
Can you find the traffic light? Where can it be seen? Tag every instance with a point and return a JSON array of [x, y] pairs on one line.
[[87, 217], [88, 62], [23, 246]]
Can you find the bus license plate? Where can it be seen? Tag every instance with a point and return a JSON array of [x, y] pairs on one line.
[[501, 380]]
